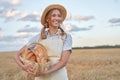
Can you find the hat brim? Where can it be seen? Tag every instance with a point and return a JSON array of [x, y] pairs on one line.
[[47, 9]]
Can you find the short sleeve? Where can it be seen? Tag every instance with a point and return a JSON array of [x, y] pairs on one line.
[[67, 43], [36, 38]]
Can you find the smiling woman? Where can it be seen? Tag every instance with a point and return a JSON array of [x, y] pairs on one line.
[[15, 15], [57, 43]]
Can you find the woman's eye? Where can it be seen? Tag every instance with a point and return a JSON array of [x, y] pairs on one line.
[[59, 15]]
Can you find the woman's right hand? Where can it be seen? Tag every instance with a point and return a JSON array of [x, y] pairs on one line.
[[28, 68]]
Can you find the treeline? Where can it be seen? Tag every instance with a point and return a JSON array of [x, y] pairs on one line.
[[97, 47]]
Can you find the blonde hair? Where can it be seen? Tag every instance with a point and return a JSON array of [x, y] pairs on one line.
[[45, 26]]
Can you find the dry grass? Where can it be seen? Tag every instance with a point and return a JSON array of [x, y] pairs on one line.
[[84, 64]]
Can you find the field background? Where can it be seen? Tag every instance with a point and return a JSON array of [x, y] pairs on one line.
[[84, 64]]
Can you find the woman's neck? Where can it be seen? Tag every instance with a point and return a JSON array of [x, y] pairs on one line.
[[52, 30]]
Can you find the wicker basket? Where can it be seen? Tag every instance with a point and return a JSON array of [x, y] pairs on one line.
[[36, 55]]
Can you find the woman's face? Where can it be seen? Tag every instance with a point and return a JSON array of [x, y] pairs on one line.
[[55, 18]]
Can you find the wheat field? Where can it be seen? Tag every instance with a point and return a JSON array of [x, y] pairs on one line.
[[84, 64]]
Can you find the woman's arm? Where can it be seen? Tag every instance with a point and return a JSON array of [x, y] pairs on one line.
[[17, 56], [19, 62], [63, 61]]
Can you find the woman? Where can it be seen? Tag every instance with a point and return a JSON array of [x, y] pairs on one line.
[[61, 43]]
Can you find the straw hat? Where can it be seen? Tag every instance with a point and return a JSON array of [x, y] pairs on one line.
[[47, 9]]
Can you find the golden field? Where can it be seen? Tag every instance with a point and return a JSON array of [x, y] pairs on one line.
[[84, 64]]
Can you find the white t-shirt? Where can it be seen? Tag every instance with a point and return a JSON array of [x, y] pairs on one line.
[[67, 41]]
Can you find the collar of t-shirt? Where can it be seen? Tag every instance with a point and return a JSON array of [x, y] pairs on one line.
[[49, 35]]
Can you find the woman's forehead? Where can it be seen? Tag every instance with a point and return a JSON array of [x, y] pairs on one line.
[[54, 10]]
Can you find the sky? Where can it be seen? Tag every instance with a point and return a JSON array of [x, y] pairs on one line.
[[90, 22]]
